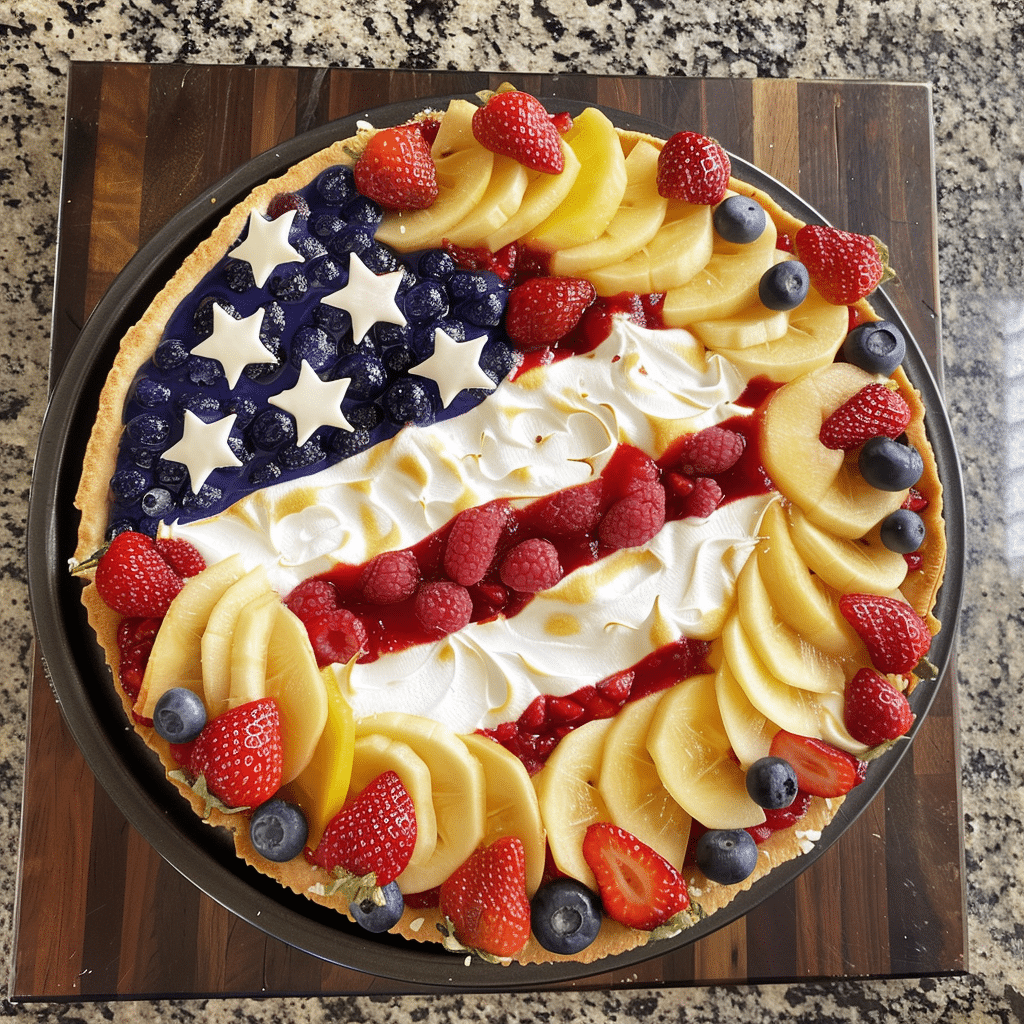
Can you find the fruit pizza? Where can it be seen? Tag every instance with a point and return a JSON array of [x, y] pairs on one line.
[[518, 531]]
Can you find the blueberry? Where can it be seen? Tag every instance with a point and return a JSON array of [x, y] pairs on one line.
[[170, 354], [151, 393], [366, 416], [309, 248], [244, 410], [426, 301], [367, 375], [877, 347], [890, 465], [784, 286], [156, 501], [326, 273], [205, 500], [265, 474], [377, 919], [206, 407], [397, 359], [302, 456], [238, 275], [380, 260], [902, 531], [271, 429], [149, 430], [204, 372], [170, 473], [436, 263], [278, 830], [315, 346], [336, 185], [468, 284], [288, 285], [355, 238], [486, 311], [346, 443], [726, 855], [179, 715], [360, 210], [565, 916], [408, 401], [328, 226], [126, 484], [772, 783], [739, 219]]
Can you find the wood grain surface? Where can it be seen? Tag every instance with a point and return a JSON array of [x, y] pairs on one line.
[[107, 916]]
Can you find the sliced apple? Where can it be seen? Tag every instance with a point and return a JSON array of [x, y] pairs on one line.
[[512, 807], [691, 749], [750, 733], [250, 649], [752, 326], [635, 223], [501, 199]]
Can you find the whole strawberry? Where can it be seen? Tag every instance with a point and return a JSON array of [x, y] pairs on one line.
[[485, 899], [693, 168], [875, 411], [396, 169], [516, 124], [844, 266], [239, 753], [896, 637], [543, 310], [134, 578], [376, 832], [875, 710]]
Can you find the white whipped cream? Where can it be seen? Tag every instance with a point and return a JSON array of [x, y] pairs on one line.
[[551, 428]]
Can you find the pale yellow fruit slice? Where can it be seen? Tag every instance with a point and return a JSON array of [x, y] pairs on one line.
[[825, 484], [219, 634], [691, 749], [755, 325], [784, 652], [727, 284], [322, 786], [801, 600], [512, 807], [635, 223], [250, 649], [590, 204], [632, 789], [502, 198], [374, 754], [458, 789], [463, 173], [680, 249], [176, 657], [570, 801], [544, 193], [864, 566], [750, 733]]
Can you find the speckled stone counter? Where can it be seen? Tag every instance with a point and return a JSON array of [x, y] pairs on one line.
[[968, 53]]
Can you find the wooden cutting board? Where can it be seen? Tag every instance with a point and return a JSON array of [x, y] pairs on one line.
[[99, 913]]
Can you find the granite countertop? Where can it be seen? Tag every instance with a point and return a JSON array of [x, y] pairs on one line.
[[967, 52]]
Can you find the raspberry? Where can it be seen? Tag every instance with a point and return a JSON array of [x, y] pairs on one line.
[[635, 519], [710, 451], [181, 556], [531, 566], [337, 636], [472, 542], [575, 510], [390, 577], [705, 497], [312, 597], [445, 607]]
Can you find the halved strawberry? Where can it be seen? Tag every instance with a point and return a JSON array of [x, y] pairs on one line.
[[844, 266], [821, 769], [516, 124], [396, 169], [897, 638], [543, 310], [376, 832], [639, 888], [693, 168], [875, 710], [485, 899], [874, 411]]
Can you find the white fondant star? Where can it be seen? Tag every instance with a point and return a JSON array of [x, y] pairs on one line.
[[368, 298], [454, 365], [235, 343], [203, 448], [314, 403], [266, 245]]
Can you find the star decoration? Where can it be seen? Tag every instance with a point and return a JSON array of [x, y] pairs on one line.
[[454, 366], [266, 245], [314, 403], [235, 343], [203, 448], [368, 298]]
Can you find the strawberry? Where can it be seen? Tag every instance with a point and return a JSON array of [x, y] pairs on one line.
[[396, 169], [639, 888], [844, 266], [875, 710], [443, 607], [134, 643], [485, 899], [821, 769], [502, 263], [516, 124], [181, 556], [543, 310], [897, 638], [375, 832], [709, 451], [134, 578], [875, 411], [239, 753], [472, 542], [635, 519], [693, 168], [916, 501], [390, 577], [531, 566]]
